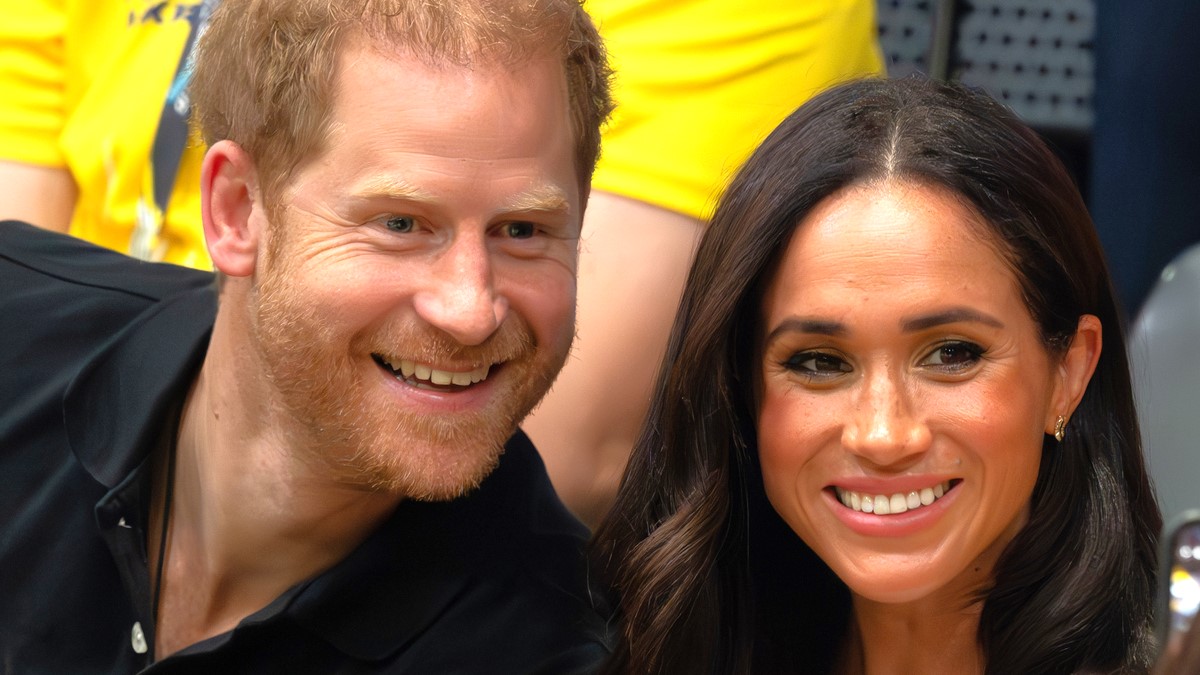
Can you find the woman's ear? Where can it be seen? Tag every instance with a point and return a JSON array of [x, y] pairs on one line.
[[229, 196], [1075, 370]]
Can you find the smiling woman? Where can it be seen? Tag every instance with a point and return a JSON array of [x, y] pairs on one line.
[[898, 350], [901, 359]]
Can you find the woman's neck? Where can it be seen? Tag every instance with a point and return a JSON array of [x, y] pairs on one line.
[[931, 636]]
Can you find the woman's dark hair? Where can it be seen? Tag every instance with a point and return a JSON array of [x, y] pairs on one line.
[[710, 580]]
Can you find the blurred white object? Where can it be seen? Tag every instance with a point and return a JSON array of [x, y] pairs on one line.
[[1164, 349]]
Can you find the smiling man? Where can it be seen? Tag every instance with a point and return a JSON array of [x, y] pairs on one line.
[[317, 469]]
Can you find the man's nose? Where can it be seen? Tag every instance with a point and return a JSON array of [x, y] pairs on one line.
[[884, 427], [460, 296]]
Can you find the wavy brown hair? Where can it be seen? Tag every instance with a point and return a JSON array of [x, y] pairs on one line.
[[708, 578], [265, 69]]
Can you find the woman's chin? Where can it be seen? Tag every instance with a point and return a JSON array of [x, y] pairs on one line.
[[894, 580]]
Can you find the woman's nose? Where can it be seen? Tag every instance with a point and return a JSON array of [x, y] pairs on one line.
[[885, 427]]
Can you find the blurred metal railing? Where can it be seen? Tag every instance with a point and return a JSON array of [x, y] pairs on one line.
[[1034, 55]]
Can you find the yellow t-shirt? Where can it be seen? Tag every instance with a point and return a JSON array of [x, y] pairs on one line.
[[83, 85], [700, 84]]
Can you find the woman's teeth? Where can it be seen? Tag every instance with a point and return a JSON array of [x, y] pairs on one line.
[[882, 505]]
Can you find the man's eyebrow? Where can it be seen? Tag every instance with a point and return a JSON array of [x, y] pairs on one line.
[[390, 187], [814, 326], [539, 198], [952, 315]]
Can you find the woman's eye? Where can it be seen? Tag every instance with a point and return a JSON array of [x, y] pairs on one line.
[[401, 224], [954, 355], [519, 230], [816, 363]]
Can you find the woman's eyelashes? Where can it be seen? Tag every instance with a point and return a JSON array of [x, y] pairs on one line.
[[817, 365], [954, 356], [949, 356]]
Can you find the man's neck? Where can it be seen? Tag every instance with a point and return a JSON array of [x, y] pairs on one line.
[[248, 518]]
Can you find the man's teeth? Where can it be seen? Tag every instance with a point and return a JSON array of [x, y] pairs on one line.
[[882, 505], [432, 375]]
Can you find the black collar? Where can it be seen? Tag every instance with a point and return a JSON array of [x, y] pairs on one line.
[[114, 408], [420, 564], [429, 554]]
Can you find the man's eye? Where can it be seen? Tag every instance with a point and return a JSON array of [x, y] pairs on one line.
[[401, 224], [519, 230]]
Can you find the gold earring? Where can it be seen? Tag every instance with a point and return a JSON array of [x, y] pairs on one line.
[[1059, 426]]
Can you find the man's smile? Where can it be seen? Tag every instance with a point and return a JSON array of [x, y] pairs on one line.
[[426, 376]]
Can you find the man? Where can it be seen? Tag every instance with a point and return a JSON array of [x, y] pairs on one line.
[[306, 476]]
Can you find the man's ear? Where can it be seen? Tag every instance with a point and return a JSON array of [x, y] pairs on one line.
[[1075, 370], [229, 198]]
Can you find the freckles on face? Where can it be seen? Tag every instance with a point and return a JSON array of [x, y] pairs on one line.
[[904, 391]]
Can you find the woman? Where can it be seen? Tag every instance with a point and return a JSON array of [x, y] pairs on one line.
[[898, 345]]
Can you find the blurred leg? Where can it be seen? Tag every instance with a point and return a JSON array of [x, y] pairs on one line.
[[633, 262]]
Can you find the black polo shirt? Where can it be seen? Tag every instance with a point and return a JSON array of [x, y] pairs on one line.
[[98, 351]]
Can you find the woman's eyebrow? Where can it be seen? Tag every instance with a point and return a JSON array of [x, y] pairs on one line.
[[797, 324], [952, 315], [831, 328]]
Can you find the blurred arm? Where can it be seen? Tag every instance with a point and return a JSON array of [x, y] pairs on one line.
[[42, 196]]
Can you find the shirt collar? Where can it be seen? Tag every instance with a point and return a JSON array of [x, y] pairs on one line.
[[427, 557], [114, 408]]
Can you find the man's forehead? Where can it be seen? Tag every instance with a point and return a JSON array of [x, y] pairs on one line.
[[511, 55]]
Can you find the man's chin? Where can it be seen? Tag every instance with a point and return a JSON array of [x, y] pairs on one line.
[[460, 486], [433, 473]]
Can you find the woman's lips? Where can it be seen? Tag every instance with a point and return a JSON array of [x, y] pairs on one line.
[[896, 502], [871, 518]]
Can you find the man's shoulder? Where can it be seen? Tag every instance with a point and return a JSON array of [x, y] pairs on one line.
[[512, 527], [517, 518], [542, 596], [31, 255], [89, 341], [494, 581]]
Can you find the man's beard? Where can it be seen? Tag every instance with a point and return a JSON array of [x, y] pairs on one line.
[[343, 422]]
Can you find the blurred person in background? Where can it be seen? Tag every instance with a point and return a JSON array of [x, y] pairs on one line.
[[94, 123], [697, 85]]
